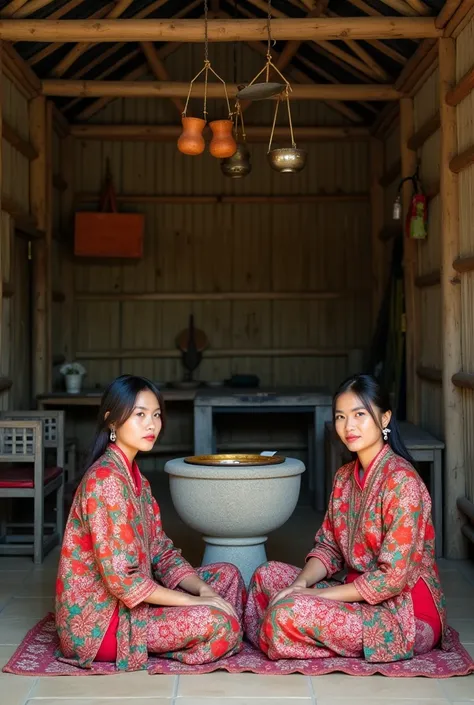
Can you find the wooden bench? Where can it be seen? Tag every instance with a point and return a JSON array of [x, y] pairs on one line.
[[423, 447]]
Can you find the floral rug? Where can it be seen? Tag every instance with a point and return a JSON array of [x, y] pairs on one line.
[[36, 656]]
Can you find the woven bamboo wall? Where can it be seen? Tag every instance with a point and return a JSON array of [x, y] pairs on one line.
[[464, 62], [426, 104], [14, 355]]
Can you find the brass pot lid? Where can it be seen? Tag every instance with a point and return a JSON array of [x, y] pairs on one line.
[[233, 459]]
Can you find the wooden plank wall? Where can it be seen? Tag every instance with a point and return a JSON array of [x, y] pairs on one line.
[[392, 160], [15, 355], [196, 250], [227, 248], [464, 62], [426, 105]]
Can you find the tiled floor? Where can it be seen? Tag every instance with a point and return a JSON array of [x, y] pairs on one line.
[[26, 593]]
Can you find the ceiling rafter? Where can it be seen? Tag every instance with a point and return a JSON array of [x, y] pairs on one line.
[[340, 107], [51, 48], [162, 53], [79, 49], [10, 9], [158, 69], [400, 6], [113, 48], [332, 79], [30, 7], [302, 77], [104, 74], [349, 59], [363, 57]]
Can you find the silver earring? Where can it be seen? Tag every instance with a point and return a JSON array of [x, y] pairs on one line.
[[113, 436], [385, 432]]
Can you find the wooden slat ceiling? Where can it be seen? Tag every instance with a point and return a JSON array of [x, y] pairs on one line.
[[344, 62]]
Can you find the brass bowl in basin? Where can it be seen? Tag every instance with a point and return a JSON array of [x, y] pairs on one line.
[[234, 459]]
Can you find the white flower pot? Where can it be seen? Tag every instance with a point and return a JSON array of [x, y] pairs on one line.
[[73, 383]]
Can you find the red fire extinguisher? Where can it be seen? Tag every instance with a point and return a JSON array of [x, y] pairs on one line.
[[417, 216]]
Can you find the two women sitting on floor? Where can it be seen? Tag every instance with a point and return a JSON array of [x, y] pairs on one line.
[[124, 591]]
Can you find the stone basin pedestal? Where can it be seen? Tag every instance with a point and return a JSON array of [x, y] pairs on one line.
[[235, 507]]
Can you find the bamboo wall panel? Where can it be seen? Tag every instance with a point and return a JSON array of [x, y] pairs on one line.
[[464, 62], [15, 166]]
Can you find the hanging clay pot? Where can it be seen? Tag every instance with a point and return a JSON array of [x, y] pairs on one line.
[[223, 144], [191, 141]]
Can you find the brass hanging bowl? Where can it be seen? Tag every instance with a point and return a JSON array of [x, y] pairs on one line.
[[238, 165], [287, 160], [260, 91]]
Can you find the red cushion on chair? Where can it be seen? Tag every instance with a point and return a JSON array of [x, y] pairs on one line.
[[23, 476]]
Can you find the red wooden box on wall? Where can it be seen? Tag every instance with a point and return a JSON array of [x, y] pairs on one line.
[[109, 235]]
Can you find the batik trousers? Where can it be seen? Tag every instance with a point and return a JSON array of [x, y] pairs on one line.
[[197, 635], [307, 626]]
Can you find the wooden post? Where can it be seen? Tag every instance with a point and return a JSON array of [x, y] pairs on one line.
[[1, 219], [40, 201], [455, 478], [377, 222], [67, 225], [408, 159]]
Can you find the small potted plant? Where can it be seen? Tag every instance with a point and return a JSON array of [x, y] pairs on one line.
[[73, 373]]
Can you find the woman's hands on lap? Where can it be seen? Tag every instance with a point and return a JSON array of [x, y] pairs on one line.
[[210, 598], [299, 587]]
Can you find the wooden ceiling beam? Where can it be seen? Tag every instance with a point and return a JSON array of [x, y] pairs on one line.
[[192, 31], [254, 133], [168, 89]]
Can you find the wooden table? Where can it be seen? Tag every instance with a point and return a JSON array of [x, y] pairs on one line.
[[316, 401], [423, 447]]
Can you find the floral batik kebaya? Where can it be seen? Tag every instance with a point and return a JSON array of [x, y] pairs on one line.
[[113, 555], [380, 529]]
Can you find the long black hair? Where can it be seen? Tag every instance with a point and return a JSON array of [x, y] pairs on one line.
[[371, 394], [118, 402]]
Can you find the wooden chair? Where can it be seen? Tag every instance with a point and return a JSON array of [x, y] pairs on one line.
[[33, 479]]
